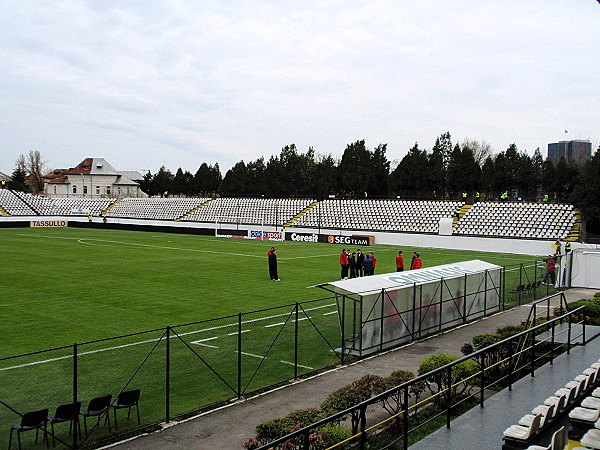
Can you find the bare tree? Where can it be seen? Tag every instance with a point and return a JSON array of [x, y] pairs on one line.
[[34, 166], [481, 149]]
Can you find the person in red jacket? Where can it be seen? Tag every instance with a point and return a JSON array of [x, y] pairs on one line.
[[373, 264], [416, 262], [344, 263], [550, 270], [399, 262]]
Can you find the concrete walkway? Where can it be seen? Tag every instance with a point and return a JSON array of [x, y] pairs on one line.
[[229, 427]]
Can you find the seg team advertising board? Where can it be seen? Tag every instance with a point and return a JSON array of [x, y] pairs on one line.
[[358, 240], [382, 311]]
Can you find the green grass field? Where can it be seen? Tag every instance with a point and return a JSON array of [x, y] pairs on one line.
[[73, 285]]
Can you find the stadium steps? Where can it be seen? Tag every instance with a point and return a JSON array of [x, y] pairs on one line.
[[110, 207], [300, 214], [465, 209], [575, 231], [191, 211], [3, 211]]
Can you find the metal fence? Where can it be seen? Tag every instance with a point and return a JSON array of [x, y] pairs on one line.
[[186, 369], [444, 390]]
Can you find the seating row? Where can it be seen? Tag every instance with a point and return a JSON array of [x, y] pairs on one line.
[[70, 412], [563, 399]]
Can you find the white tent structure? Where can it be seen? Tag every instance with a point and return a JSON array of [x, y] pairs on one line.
[[381, 311]]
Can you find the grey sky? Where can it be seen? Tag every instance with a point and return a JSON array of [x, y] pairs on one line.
[[147, 83]]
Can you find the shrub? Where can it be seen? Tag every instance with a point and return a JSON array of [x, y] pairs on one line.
[[592, 311], [392, 403], [332, 434], [509, 330], [440, 379], [304, 417], [272, 429], [350, 395]]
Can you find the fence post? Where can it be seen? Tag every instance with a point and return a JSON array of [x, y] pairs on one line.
[[168, 376], [503, 288], [449, 397], [239, 355], [441, 304], [363, 427], [296, 344], [532, 352], [552, 344], [520, 280], [583, 323], [414, 314], [485, 291], [343, 322], [465, 301], [382, 324], [405, 418], [482, 381], [75, 382], [569, 335], [510, 369]]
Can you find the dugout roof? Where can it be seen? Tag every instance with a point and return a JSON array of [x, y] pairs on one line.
[[397, 280]]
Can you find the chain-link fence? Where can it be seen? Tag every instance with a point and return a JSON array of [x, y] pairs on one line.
[[185, 369]]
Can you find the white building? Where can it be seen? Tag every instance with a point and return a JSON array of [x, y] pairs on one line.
[[92, 178]]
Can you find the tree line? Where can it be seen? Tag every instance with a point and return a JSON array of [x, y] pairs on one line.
[[445, 172]]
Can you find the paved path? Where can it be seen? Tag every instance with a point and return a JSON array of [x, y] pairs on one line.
[[229, 427]]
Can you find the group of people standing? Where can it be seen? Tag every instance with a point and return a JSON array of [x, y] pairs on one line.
[[357, 264], [415, 263]]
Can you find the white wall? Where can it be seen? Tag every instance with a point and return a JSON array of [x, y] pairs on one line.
[[585, 271], [482, 244]]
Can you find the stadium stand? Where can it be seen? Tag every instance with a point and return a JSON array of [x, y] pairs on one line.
[[13, 204], [22, 204], [154, 208], [384, 215], [253, 211], [512, 219]]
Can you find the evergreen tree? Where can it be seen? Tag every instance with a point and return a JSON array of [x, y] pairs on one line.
[[354, 170], [410, 178], [488, 184], [19, 179], [586, 193]]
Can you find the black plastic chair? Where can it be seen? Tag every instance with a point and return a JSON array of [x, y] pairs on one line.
[[66, 413], [96, 408], [34, 420], [127, 399]]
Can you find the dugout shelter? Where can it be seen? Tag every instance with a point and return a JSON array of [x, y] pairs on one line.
[[382, 311]]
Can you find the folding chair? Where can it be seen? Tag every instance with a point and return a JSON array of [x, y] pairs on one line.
[[127, 399], [66, 413], [34, 420], [96, 408]]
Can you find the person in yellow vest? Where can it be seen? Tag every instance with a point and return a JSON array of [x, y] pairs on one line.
[[545, 198], [464, 196], [90, 218], [3, 184], [477, 196], [504, 196]]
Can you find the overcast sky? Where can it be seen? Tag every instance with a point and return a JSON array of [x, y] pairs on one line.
[[147, 83]]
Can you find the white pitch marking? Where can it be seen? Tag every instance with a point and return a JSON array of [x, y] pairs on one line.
[[252, 354], [154, 340], [235, 333], [200, 342], [299, 365], [329, 313], [274, 324], [81, 241]]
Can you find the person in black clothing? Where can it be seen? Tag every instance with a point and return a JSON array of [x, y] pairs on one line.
[[273, 264], [352, 261], [360, 259]]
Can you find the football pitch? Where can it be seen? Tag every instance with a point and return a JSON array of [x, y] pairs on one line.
[[80, 285], [77, 284]]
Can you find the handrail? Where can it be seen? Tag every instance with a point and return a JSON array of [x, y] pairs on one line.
[[377, 398]]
